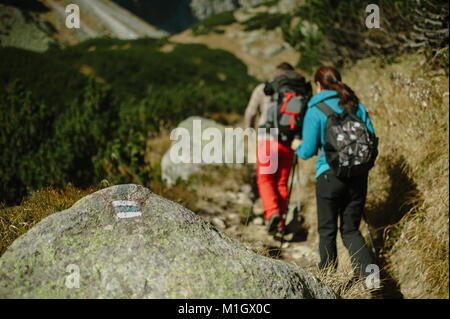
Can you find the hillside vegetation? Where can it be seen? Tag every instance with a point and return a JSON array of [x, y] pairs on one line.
[[406, 89], [409, 186], [343, 37], [84, 113]]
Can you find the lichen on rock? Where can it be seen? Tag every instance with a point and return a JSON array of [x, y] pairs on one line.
[[166, 252]]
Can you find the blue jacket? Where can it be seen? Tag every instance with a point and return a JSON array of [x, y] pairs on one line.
[[314, 127]]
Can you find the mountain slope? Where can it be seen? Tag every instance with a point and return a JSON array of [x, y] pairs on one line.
[[260, 49], [177, 15], [36, 25]]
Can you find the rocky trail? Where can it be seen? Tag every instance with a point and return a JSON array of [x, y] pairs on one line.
[[226, 195], [237, 211], [232, 205]]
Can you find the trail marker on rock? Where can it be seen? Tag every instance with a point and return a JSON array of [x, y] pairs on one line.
[[126, 209]]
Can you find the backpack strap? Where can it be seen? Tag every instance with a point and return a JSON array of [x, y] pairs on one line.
[[325, 109], [329, 111]]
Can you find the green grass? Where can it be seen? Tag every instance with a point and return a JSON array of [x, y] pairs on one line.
[[264, 20], [266, 4]]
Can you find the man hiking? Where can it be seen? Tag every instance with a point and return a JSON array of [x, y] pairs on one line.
[[279, 106], [338, 125]]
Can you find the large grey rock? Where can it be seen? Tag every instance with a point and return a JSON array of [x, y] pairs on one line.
[[178, 165], [165, 252]]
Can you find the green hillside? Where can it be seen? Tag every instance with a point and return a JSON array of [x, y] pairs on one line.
[[68, 114]]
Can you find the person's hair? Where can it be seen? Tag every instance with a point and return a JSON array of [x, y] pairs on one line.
[[330, 79], [285, 66]]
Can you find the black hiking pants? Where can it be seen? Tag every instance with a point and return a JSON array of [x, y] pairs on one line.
[[345, 198]]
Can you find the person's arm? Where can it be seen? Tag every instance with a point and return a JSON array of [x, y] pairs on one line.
[[252, 109], [366, 119], [310, 134]]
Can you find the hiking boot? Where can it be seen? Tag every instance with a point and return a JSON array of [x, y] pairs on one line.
[[273, 223]]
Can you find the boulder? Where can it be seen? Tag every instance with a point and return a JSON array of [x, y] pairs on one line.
[[176, 165], [126, 242], [273, 50]]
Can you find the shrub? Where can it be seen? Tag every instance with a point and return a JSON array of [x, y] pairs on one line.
[[81, 128], [306, 39], [209, 24], [264, 20], [43, 147], [24, 124], [270, 3], [405, 26]]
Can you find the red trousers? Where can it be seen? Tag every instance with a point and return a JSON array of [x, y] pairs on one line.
[[274, 163]]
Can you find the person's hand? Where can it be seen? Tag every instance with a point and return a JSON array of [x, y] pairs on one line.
[[295, 143]]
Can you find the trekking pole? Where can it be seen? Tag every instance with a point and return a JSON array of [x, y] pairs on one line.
[[370, 236], [283, 219], [298, 188]]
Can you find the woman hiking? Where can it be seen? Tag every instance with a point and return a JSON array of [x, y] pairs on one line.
[[336, 196]]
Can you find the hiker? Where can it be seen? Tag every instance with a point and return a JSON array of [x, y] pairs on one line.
[[266, 101], [341, 171]]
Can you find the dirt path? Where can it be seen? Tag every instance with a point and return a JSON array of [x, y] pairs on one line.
[[229, 203], [235, 208]]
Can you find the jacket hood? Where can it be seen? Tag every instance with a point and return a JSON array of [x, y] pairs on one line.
[[319, 97]]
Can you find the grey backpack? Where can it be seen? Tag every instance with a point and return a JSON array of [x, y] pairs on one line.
[[290, 95]]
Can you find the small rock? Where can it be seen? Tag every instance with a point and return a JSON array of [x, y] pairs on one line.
[[297, 256], [244, 200], [273, 50], [246, 189], [285, 245], [258, 209], [273, 10], [219, 223], [254, 51], [248, 41], [258, 221], [231, 196], [233, 218], [301, 251]]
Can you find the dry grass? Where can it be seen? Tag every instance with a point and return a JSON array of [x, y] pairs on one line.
[[343, 282], [409, 187], [15, 221]]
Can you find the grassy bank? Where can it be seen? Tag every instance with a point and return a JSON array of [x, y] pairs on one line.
[[15, 221], [409, 187]]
